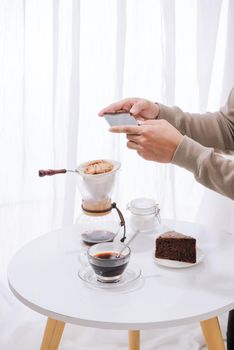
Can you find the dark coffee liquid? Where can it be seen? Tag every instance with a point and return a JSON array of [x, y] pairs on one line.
[[108, 255], [97, 236], [109, 265]]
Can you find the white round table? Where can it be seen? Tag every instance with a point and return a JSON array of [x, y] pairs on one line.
[[44, 276]]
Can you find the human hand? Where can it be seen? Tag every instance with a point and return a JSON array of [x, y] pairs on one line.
[[154, 140], [140, 108]]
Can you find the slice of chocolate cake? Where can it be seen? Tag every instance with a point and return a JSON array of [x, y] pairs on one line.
[[173, 245]]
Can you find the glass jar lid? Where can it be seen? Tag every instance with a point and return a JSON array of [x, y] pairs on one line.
[[143, 206]]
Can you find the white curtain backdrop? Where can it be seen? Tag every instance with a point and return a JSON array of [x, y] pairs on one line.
[[60, 62]]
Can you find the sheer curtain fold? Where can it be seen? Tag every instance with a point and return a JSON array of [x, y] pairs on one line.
[[55, 13], [168, 50], [207, 30], [73, 122], [168, 43], [121, 27], [228, 75], [119, 73], [216, 210]]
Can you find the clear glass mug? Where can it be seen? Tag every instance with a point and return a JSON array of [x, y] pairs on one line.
[[108, 260]]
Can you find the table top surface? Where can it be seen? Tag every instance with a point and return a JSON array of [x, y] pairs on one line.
[[44, 276]]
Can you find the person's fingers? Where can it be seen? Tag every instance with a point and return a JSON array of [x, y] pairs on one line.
[[132, 145], [150, 122], [122, 105], [126, 129], [133, 138], [137, 107]]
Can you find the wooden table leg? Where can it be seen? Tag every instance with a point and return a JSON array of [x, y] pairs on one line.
[[212, 334], [52, 335], [134, 340]]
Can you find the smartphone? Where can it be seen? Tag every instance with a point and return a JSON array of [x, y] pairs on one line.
[[117, 119]]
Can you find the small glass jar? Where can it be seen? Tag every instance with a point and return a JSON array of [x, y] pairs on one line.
[[145, 214]]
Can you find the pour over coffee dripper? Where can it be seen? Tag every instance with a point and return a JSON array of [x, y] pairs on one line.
[[98, 222]]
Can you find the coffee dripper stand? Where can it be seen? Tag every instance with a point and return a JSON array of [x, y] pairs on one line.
[[100, 220]]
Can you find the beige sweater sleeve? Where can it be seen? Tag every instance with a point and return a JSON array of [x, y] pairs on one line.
[[203, 135]]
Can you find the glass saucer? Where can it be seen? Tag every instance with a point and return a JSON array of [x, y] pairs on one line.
[[132, 273]]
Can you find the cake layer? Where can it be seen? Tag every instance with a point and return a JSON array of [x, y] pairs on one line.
[[173, 245]]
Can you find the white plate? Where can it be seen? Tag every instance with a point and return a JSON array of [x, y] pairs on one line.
[[179, 264], [132, 273]]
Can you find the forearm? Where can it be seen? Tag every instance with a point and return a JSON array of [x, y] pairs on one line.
[[210, 129], [209, 168]]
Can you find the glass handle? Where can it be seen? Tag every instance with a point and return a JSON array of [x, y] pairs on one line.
[[122, 221]]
